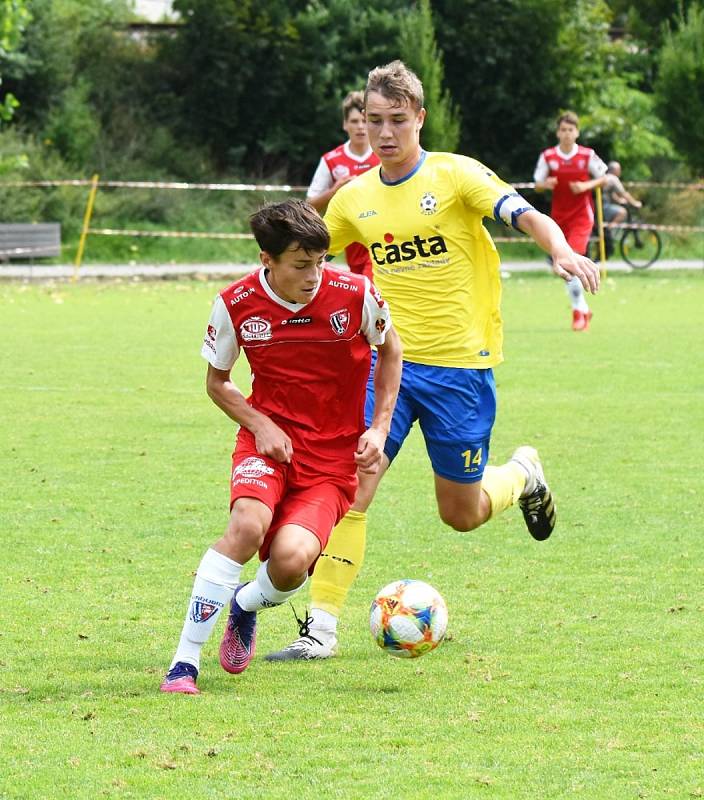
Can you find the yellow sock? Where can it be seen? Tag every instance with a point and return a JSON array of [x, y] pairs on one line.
[[339, 563], [504, 485]]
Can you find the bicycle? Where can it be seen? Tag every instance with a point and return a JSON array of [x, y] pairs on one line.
[[639, 247]]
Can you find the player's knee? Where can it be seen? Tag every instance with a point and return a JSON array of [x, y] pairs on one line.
[[461, 519], [288, 569], [246, 527]]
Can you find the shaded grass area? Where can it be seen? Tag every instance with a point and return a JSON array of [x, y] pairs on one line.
[[572, 667]]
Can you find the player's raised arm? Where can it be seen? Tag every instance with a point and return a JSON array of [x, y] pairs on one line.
[[270, 439], [565, 262]]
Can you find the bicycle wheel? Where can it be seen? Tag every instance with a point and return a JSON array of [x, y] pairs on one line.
[[640, 248]]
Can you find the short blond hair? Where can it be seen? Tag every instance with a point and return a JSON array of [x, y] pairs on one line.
[[397, 83], [569, 117]]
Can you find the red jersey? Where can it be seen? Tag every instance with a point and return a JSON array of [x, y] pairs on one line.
[[569, 209], [340, 163], [309, 362]]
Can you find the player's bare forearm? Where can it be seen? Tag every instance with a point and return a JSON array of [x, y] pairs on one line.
[[320, 201], [387, 378], [546, 233], [270, 439]]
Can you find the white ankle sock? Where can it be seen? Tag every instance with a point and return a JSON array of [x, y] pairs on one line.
[[261, 592], [213, 586], [576, 293], [323, 621]]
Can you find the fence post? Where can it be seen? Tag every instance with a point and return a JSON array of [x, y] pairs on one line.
[[86, 224], [600, 225]]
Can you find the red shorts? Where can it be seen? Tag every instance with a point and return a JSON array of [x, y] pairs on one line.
[[294, 494], [577, 235]]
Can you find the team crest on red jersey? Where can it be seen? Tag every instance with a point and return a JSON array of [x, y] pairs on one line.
[[340, 320], [255, 329]]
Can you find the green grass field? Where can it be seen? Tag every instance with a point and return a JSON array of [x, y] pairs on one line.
[[573, 667]]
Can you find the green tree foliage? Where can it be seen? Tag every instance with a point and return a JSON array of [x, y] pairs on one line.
[[646, 20], [680, 86], [603, 79], [420, 52], [261, 82], [14, 17], [500, 67]]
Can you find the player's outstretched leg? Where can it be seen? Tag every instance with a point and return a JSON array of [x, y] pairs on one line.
[[536, 500], [310, 645], [240, 637]]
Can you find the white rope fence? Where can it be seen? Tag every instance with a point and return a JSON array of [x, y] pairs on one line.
[[282, 188]]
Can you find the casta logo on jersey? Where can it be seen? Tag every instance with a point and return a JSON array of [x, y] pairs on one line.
[[392, 253], [255, 329]]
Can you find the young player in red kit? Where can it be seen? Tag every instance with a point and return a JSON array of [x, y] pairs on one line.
[[306, 330], [340, 166], [571, 171]]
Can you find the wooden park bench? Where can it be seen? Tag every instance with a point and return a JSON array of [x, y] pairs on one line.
[[29, 240]]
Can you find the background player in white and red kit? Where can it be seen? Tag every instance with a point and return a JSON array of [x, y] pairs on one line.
[[571, 171], [340, 166], [307, 332]]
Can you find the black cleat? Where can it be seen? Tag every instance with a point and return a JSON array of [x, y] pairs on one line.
[[536, 502]]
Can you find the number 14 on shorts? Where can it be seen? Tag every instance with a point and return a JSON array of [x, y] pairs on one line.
[[472, 459]]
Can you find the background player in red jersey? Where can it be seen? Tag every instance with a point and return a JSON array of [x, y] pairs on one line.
[[571, 171], [340, 166], [306, 330]]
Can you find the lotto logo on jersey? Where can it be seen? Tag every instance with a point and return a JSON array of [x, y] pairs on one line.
[[392, 253], [340, 320], [255, 329]]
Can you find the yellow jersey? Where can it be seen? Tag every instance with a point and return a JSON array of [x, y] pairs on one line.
[[433, 260]]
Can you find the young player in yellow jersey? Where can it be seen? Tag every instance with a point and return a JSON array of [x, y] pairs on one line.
[[420, 215]]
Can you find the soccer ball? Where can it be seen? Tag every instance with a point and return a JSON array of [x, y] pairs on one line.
[[408, 618]]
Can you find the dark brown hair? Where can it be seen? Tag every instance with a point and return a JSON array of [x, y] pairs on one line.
[[277, 226]]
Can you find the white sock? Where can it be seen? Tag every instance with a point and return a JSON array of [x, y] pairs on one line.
[[213, 588], [261, 592], [323, 621], [576, 293]]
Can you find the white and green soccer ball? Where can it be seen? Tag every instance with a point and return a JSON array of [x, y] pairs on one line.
[[408, 618]]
